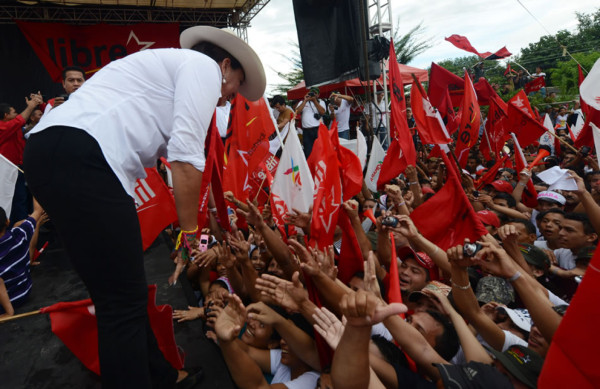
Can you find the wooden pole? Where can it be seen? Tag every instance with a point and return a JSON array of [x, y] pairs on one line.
[[562, 141], [14, 317]]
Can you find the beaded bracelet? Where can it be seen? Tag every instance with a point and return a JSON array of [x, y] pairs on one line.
[[468, 286], [185, 239]]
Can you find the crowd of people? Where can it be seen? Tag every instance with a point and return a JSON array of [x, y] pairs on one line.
[[480, 314]]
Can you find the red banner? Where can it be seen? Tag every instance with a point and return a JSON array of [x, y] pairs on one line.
[[59, 45], [535, 85]]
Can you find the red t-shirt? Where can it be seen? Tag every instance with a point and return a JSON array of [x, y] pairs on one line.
[[12, 142]]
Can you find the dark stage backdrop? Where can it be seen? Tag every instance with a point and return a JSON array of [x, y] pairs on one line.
[[329, 35]]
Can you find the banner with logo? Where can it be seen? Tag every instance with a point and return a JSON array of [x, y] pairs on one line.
[[58, 45]]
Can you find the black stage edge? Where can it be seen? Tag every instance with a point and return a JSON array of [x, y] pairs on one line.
[[31, 356]]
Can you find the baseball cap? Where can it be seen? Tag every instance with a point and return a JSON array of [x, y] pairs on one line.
[[534, 256], [422, 259], [489, 218], [519, 316], [523, 363], [552, 197], [502, 186], [433, 285], [426, 189], [472, 375], [494, 289]]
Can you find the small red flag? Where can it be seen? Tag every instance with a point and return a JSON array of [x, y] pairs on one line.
[[469, 123], [75, 324], [535, 85], [521, 120], [448, 217], [155, 206], [429, 121], [350, 259], [323, 164]]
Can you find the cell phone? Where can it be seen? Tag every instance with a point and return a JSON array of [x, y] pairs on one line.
[[475, 194], [203, 244]]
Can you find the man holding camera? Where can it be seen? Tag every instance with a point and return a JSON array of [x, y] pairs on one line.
[[339, 107], [311, 109], [73, 79]]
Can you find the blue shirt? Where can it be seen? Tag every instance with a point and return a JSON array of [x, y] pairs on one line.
[[14, 260]]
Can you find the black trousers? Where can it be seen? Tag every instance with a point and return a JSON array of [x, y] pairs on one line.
[[69, 176], [309, 136]]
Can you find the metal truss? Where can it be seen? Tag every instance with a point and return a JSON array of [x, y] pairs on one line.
[[236, 18]]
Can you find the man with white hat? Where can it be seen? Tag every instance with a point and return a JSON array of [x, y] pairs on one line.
[[83, 159]]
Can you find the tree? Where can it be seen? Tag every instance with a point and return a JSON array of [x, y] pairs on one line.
[[294, 75], [565, 75], [410, 45]]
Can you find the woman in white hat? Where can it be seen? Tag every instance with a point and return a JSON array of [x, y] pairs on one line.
[[82, 161]]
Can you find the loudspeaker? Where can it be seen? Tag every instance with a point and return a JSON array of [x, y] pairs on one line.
[[330, 38]]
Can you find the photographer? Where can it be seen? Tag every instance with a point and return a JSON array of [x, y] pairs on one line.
[[311, 109], [73, 78], [339, 107]]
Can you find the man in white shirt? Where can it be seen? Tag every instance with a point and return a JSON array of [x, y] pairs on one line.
[[310, 110], [340, 110], [82, 162]]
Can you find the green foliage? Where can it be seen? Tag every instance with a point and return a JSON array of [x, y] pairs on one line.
[[410, 45], [565, 75], [294, 75]]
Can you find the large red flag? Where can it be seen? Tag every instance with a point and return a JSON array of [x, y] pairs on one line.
[[495, 127], [572, 360], [323, 164], [393, 164], [349, 165], [442, 82], [75, 324], [398, 122], [535, 85], [429, 122], [247, 145], [528, 129], [470, 118], [448, 217], [155, 206]]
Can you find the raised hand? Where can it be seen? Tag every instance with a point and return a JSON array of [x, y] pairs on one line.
[[363, 308], [253, 216], [298, 218], [370, 277], [192, 313], [329, 326], [289, 295], [326, 261], [308, 262], [263, 313], [230, 321], [496, 261]]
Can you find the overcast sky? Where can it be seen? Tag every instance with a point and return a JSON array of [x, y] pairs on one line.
[[489, 25]]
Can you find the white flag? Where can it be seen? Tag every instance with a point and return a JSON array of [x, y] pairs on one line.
[[548, 139], [577, 127], [358, 146], [374, 167], [293, 186], [8, 179], [590, 87]]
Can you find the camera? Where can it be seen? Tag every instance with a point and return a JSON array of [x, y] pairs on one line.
[[317, 116], [475, 193], [470, 249], [585, 150], [64, 96], [311, 94], [390, 221]]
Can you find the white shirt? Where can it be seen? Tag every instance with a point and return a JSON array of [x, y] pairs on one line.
[[223, 118], [283, 374], [150, 104], [564, 257], [377, 112], [342, 115], [308, 114]]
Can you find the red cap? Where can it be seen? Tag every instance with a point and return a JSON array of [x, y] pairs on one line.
[[502, 186], [489, 218], [426, 189], [422, 259]]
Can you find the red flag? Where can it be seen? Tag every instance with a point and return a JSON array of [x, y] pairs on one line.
[[212, 178], [394, 294], [448, 217], [75, 324], [393, 164], [350, 259], [489, 176], [463, 43], [429, 122], [521, 120], [247, 145], [495, 126], [323, 165], [325, 352], [535, 85], [502, 53], [572, 359], [154, 205], [349, 165], [469, 123], [442, 82], [529, 197], [398, 122]]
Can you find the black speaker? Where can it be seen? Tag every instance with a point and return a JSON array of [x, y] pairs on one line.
[[330, 38]]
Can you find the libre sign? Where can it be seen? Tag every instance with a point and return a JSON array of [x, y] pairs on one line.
[[91, 47]]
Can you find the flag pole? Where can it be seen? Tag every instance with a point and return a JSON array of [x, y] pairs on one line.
[[21, 315], [260, 187], [562, 141], [488, 141]]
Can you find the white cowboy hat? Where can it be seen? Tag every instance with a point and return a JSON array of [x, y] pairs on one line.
[[254, 85]]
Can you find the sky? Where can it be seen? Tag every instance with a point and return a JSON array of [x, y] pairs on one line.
[[488, 25]]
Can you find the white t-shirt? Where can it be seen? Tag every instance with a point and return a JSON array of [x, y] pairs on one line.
[[342, 115], [377, 112], [308, 114], [564, 257], [223, 118], [150, 104], [561, 121], [283, 374]]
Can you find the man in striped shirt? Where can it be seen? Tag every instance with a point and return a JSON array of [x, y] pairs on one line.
[[15, 277]]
